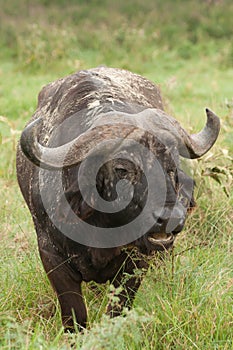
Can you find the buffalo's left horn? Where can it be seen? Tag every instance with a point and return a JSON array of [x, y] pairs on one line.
[[157, 122], [196, 145]]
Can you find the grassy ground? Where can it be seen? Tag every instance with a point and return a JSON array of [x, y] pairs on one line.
[[186, 46]]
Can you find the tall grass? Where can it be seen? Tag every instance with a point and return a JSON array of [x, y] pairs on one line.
[[39, 34], [185, 301]]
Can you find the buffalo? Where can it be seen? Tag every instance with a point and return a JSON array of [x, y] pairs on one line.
[[100, 170]]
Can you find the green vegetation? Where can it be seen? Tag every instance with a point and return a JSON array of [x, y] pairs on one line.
[[185, 301]]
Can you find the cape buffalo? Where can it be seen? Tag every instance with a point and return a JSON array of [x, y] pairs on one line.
[[98, 166]]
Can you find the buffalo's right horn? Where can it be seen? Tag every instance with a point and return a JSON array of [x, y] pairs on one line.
[[73, 152]]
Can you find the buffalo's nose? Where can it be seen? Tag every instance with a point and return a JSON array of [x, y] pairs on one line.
[[175, 222], [175, 225], [171, 220]]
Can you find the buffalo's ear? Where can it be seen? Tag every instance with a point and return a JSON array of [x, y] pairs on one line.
[[72, 203]]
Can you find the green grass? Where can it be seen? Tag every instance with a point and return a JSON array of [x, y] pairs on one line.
[[185, 302]]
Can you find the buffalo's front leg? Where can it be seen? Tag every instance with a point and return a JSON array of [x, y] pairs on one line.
[[67, 285], [129, 281]]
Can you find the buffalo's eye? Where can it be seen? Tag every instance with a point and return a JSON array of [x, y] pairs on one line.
[[121, 171]]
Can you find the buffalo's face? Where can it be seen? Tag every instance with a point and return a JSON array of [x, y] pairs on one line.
[[126, 186], [177, 189]]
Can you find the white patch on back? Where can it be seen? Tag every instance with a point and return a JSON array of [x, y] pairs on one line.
[[93, 104]]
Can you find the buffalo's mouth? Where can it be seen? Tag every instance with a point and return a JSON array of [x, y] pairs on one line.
[[161, 240]]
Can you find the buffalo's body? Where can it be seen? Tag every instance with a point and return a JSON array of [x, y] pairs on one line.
[[98, 99]]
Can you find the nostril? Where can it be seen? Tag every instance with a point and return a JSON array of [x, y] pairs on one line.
[[179, 226], [159, 221], [174, 225]]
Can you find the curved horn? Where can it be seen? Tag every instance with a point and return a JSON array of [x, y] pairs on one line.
[[73, 152], [123, 127], [196, 145], [157, 122]]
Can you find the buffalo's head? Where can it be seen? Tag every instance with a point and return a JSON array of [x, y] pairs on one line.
[[124, 173]]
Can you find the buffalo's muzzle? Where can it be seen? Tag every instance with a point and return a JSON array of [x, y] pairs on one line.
[[171, 220]]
